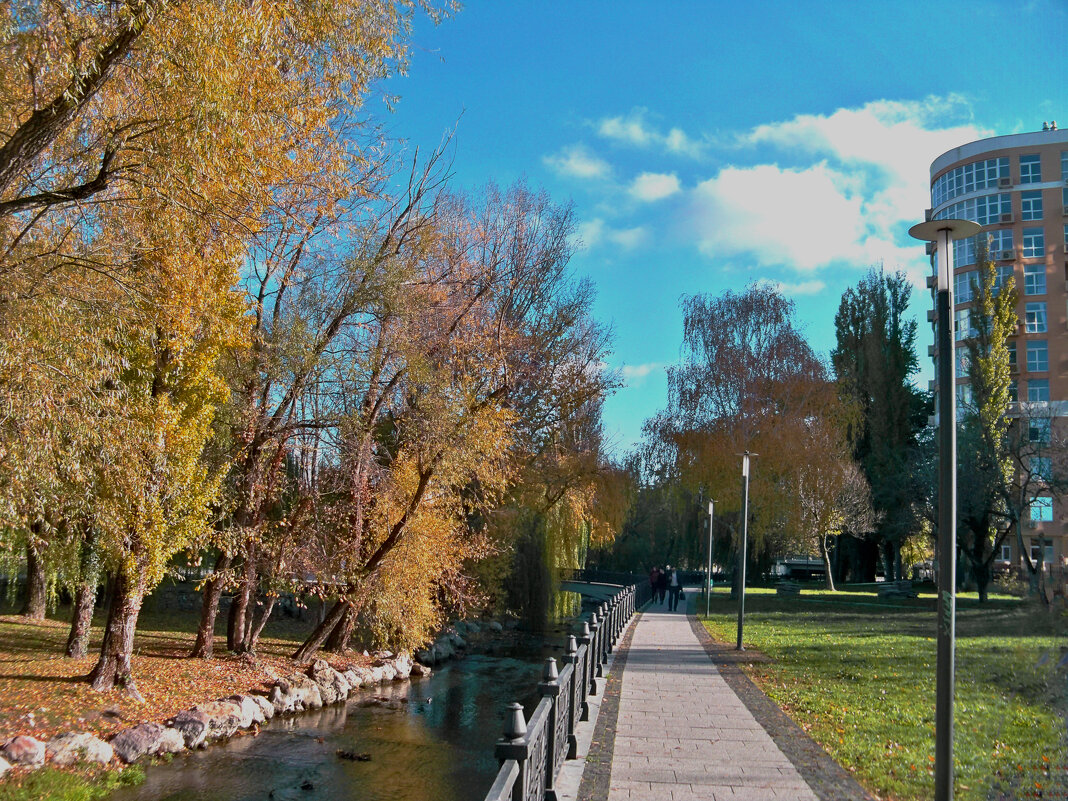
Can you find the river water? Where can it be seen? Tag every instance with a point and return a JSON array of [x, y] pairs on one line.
[[430, 738]]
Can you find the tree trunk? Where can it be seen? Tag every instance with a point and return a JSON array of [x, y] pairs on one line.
[[85, 596], [239, 623], [338, 641], [113, 667], [315, 640], [36, 584], [209, 608], [254, 636], [826, 554]]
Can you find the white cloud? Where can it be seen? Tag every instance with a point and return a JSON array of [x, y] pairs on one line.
[[800, 218], [594, 233], [650, 186], [857, 178], [578, 162], [634, 129], [794, 290], [635, 373]]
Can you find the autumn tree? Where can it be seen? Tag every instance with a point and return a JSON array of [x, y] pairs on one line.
[[747, 381]]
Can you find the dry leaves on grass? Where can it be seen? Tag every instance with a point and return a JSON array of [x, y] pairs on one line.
[[42, 693]]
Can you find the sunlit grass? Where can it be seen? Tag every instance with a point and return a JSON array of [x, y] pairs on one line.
[[858, 674]]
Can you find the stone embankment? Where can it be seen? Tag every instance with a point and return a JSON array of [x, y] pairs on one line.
[[457, 638], [320, 685]]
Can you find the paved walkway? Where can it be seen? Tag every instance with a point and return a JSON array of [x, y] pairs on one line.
[[682, 733]]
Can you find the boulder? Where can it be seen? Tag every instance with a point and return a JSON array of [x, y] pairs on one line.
[[333, 687], [473, 627], [365, 675], [266, 707], [26, 751], [70, 747], [193, 725], [377, 674], [305, 692], [495, 627], [443, 650], [402, 664], [133, 743], [456, 640], [171, 741], [353, 678], [419, 671], [5, 766], [281, 697], [224, 718], [389, 672], [250, 712], [425, 656]]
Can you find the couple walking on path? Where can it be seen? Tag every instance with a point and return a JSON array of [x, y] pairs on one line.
[[666, 582]]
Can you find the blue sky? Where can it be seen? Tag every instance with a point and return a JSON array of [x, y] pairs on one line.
[[709, 144]]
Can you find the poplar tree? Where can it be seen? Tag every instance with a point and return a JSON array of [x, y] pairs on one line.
[[874, 362]]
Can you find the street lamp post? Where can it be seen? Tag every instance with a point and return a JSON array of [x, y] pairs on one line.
[[708, 578], [741, 551], [943, 233]]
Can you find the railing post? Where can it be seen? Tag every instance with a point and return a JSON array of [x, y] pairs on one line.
[[571, 658], [514, 745], [610, 628], [587, 688], [594, 656], [549, 687]]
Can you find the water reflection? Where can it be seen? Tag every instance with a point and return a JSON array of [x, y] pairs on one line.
[[428, 739]]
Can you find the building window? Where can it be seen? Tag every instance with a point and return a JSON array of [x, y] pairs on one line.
[[999, 243], [1034, 279], [1064, 165], [1014, 391], [1006, 553], [962, 286], [1037, 359], [1041, 509], [1011, 348], [986, 210], [962, 363], [1066, 235], [964, 399], [1046, 551], [1030, 205], [1042, 467], [964, 251], [1035, 318], [1004, 274], [968, 178], [1030, 169], [1039, 430], [962, 325], [1034, 243], [1038, 390]]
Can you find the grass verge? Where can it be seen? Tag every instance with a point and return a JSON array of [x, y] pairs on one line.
[[858, 675], [69, 785]]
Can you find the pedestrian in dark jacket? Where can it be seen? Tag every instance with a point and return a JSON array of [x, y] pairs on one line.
[[661, 586]]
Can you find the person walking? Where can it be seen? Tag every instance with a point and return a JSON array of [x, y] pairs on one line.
[[674, 589], [662, 585], [654, 576]]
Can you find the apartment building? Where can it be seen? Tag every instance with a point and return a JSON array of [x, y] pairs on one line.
[[1016, 188]]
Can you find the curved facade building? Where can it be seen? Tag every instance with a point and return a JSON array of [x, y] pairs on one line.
[[1016, 188]]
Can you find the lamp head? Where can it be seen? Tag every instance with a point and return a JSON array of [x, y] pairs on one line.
[[943, 233]]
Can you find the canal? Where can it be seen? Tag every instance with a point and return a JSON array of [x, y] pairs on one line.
[[430, 738]]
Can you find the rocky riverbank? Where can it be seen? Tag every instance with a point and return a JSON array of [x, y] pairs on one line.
[[213, 721]]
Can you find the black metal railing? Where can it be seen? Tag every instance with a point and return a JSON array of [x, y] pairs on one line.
[[532, 753]]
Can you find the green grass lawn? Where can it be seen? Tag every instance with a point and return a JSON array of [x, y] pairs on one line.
[[858, 675]]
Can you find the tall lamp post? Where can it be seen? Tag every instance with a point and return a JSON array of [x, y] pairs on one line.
[[708, 578], [943, 233], [741, 551]]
